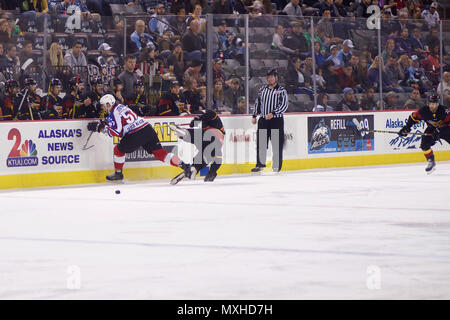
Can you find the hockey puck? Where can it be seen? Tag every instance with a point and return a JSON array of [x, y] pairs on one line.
[[117, 191]]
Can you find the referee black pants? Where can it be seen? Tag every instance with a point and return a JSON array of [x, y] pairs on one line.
[[272, 129]]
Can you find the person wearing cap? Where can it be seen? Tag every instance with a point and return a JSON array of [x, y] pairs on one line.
[[271, 104], [414, 102], [390, 101], [437, 119], [431, 15], [105, 58], [293, 9], [345, 53], [348, 102], [218, 73], [158, 23], [241, 106], [170, 103], [334, 49], [194, 72]]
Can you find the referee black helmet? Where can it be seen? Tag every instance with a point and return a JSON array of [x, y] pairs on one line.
[[272, 72]]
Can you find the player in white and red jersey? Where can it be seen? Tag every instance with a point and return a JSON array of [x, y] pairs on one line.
[[134, 132]]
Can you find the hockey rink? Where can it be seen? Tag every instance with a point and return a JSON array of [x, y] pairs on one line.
[[356, 233]]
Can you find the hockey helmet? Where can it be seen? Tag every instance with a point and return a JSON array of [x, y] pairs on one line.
[[30, 82], [55, 82], [139, 83], [433, 98], [108, 99], [96, 80], [74, 81]]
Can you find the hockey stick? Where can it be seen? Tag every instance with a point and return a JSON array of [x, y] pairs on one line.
[[360, 129], [21, 103], [87, 141]]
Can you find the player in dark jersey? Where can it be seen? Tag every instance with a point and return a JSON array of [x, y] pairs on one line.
[[168, 104], [8, 107], [30, 108], [92, 100], [134, 132], [73, 100], [52, 103], [210, 143], [139, 103], [437, 118]]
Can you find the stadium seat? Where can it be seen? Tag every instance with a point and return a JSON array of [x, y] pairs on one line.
[[63, 40], [95, 40]]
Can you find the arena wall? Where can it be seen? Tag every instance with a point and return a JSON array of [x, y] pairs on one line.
[[55, 153]]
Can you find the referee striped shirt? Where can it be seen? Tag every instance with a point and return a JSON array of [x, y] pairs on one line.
[[273, 101]]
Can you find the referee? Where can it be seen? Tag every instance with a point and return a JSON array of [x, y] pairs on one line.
[[271, 103]]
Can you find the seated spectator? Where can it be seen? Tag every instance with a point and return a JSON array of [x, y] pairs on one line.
[[293, 8], [158, 23], [322, 104], [307, 70], [418, 47], [432, 65], [179, 21], [417, 77], [176, 61], [226, 44], [373, 74], [177, 4], [218, 73], [331, 79], [193, 72], [360, 68], [296, 41], [342, 10], [404, 44], [197, 15], [5, 31], [320, 82], [55, 63], [106, 58], [444, 88], [345, 53], [394, 76], [390, 102], [319, 54], [317, 38], [190, 97], [328, 5], [325, 28], [346, 77], [140, 38], [431, 16], [34, 13], [192, 42], [219, 98], [11, 62], [333, 55], [295, 80], [241, 106], [367, 101], [277, 41], [233, 93], [348, 102], [361, 10], [414, 102], [404, 63], [221, 7], [128, 77], [75, 57]]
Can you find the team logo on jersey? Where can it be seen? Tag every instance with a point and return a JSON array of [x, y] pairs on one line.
[[321, 136], [24, 155]]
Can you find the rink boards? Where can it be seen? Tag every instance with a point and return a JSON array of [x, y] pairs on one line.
[[49, 153]]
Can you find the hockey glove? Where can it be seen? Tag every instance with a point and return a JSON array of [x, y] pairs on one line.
[[404, 131], [436, 134], [96, 126]]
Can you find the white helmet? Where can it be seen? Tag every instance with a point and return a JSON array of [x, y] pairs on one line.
[[108, 99]]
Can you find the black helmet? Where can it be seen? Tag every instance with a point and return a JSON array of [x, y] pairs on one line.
[[11, 84], [174, 83], [55, 82], [433, 97], [272, 72], [30, 82]]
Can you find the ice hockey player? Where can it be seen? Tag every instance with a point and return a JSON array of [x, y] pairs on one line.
[[30, 109], [73, 103], [52, 103], [92, 99], [169, 102], [134, 132], [210, 143], [9, 109], [139, 104], [437, 118]]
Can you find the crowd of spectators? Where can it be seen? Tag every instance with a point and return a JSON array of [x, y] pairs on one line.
[[166, 52]]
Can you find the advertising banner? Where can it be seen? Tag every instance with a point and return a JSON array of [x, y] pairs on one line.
[[336, 133]]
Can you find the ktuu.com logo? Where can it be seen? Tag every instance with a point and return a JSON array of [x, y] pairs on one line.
[[21, 155]]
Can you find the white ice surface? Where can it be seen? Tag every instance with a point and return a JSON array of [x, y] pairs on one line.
[[303, 235]]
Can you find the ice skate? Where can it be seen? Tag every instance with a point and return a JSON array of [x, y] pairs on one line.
[[258, 169], [431, 165], [210, 176], [116, 176]]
